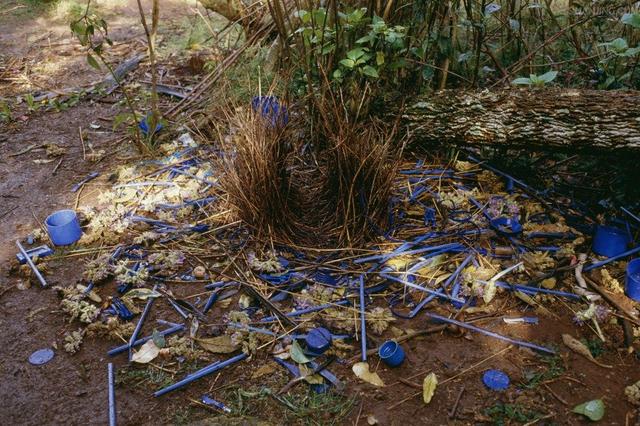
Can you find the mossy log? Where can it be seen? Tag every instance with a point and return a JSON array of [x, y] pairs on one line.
[[551, 118]]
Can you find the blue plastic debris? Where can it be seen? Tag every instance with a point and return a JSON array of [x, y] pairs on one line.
[[506, 226], [495, 380], [632, 280], [610, 241], [32, 265], [144, 126], [121, 309], [391, 353], [63, 227], [40, 252], [206, 399], [318, 341], [41, 356], [111, 381], [271, 110], [89, 177]]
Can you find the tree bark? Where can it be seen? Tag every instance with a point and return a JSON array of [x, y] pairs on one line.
[[552, 118]]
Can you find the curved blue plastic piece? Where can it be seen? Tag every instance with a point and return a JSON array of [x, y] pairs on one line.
[[632, 281], [495, 380], [610, 241]]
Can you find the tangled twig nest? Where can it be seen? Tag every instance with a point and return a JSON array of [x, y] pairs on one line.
[[335, 189]]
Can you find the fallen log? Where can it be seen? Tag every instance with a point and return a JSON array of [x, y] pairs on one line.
[[550, 118]]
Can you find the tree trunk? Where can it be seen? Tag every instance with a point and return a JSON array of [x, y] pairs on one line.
[[553, 118]]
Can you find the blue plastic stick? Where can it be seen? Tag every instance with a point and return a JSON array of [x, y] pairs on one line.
[[491, 334], [143, 316], [31, 264], [309, 310], [417, 287], [112, 395], [125, 347], [630, 214], [200, 373], [363, 322], [611, 259], [415, 251]]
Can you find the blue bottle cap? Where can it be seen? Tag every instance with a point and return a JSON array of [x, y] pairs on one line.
[[318, 340], [41, 356], [495, 380]]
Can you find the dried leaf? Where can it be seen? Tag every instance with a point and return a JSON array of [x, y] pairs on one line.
[[580, 348], [594, 409], [489, 291], [263, 371], [147, 353], [312, 379], [218, 345], [141, 293], [297, 354], [361, 370], [429, 387]]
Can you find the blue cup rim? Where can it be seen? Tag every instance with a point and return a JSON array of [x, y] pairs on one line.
[[633, 263], [612, 230], [385, 345], [71, 218]]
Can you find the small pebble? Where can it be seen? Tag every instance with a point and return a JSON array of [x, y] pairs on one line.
[[199, 272]]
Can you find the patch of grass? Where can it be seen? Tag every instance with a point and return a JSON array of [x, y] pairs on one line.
[[596, 347], [318, 408], [182, 416], [553, 368], [503, 414]]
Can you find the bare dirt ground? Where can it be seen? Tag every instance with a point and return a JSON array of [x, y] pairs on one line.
[[38, 53]]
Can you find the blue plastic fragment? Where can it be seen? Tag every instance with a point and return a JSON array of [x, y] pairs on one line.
[[506, 226], [41, 251], [206, 399], [495, 380], [41, 356], [318, 341], [144, 126], [271, 110], [120, 309]]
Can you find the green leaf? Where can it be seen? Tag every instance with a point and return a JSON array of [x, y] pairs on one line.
[[379, 58], [594, 409], [337, 74], [548, 76], [522, 81], [427, 73], [297, 354], [370, 71], [632, 19], [356, 53], [349, 63], [158, 339], [92, 61]]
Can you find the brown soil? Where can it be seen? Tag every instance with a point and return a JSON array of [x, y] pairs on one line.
[[72, 389]]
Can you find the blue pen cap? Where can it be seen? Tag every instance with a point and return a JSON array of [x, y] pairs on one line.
[[391, 353]]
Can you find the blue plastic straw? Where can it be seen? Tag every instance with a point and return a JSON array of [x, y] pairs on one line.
[[409, 252], [630, 214], [201, 373], [112, 395], [491, 334], [611, 259], [144, 314], [363, 322], [309, 310], [125, 347], [33, 267], [417, 287], [534, 290]]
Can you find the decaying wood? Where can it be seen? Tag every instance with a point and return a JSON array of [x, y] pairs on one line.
[[552, 118]]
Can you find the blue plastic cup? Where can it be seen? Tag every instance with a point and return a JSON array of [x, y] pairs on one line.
[[63, 227], [391, 353], [609, 241], [632, 282]]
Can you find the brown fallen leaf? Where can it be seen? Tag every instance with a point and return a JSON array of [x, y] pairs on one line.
[[218, 345], [361, 370], [147, 353], [578, 347]]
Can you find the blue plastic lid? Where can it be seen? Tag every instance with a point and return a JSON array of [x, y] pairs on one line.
[[318, 340], [41, 356], [496, 380]]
